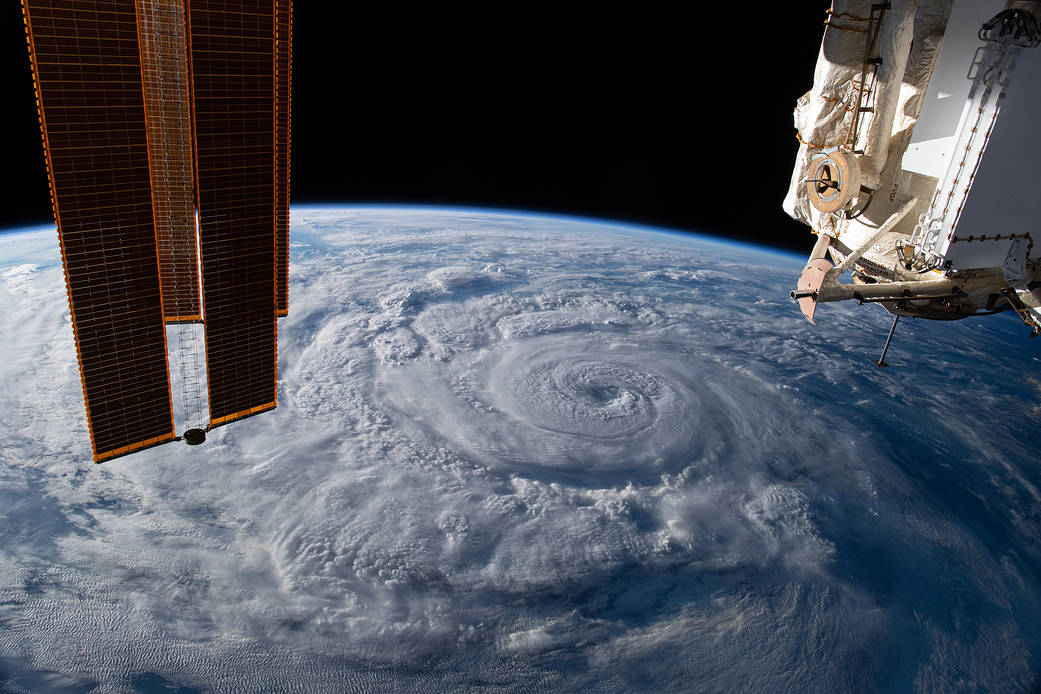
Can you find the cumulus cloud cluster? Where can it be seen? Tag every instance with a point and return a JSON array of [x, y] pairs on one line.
[[518, 453]]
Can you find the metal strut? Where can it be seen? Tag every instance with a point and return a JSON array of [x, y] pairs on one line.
[[881, 361], [1022, 311]]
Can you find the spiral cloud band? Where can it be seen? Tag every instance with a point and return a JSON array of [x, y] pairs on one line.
[[520, 453]]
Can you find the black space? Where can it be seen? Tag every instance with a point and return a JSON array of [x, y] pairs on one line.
[[631, 114]]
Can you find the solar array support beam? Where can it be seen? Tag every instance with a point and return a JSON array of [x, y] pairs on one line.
[[164, 72]]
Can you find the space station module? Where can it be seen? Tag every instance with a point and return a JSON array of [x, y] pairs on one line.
[[919, 163]]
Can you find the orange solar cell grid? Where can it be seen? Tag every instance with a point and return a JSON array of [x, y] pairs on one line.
[[85, 61], [283, 88], [164, 69], [233, 85]]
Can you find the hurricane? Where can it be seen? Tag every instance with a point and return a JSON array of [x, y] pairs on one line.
[[516, 452]]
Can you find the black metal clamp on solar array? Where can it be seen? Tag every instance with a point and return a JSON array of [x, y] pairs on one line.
[[193, 437]]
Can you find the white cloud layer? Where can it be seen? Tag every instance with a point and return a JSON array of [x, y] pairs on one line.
[[517, 453]]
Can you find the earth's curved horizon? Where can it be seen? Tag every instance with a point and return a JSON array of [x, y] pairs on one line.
[[520, 452]]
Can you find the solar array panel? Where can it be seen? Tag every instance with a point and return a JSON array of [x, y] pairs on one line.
[[87, 69], [231, 47], [283, 89], [164, 70]]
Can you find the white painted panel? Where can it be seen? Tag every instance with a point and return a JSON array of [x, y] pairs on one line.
[[933, 137], [1006, 192]]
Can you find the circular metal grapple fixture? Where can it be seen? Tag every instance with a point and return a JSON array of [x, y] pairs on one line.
[[193, 437], [834, 180]]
